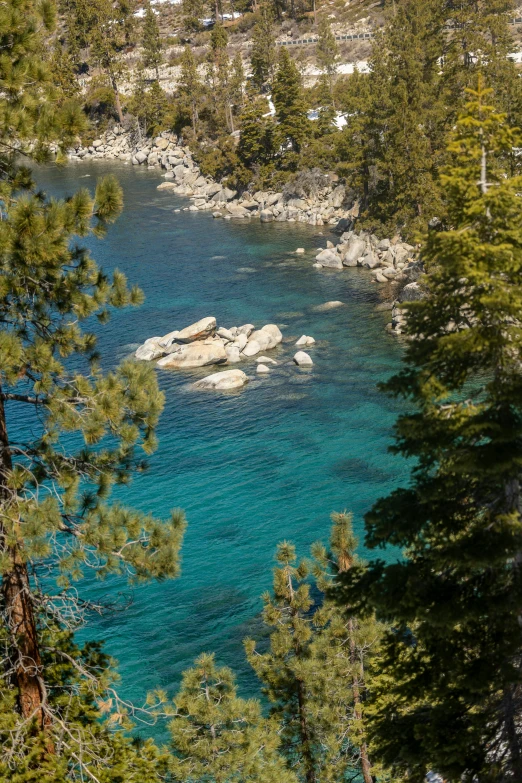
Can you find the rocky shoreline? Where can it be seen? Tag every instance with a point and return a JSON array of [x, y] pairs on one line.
[[391, 261]]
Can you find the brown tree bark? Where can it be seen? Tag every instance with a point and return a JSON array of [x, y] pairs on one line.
[[305, 735], [357, 701], [25, 660], [117, 101]]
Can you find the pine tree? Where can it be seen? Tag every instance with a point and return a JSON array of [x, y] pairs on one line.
[[193, 11], [263, 54], [218, 736], [49, 286], [151, 41], [190, 86], [406, 124], [237, 83], [150, 106], [353, 646], [92, 743], [327, 54], [453, 661], [85, 429], [355, 147], [257, 140], [290, 104], [219, 75], [106, 28], [313, 670]]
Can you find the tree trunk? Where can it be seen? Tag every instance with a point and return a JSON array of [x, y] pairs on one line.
[[305, 736], [25, 661], [357, 701], [117, 102], [513, 740]]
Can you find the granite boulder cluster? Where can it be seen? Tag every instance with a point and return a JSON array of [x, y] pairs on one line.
[[183, 177], [203, 344], [388, 259]]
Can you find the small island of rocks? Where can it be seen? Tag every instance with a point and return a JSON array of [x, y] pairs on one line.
[[204, 343]]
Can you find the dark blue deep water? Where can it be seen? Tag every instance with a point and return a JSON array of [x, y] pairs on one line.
[[251, 468]]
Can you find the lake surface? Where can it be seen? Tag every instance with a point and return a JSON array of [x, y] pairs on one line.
[[251, 468]]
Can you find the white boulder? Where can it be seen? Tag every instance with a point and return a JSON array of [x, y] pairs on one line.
[[246, 329], [198, 331], [150, 350], [265, 360], [262, 368], [251, 348], [263, 339], [197, 354], [330, 259], [241, 340], [303, 359], [274, 331], [354, 251], [223, 381], [304, 341], [168, 339], [226, 334], [233, 353]]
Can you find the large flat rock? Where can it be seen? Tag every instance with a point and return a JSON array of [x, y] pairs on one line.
[[198, 354], [198, 331], [223, 381]]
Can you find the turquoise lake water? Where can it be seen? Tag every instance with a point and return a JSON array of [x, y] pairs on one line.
[[251, 468]]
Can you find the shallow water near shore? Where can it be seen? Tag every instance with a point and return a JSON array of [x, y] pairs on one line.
[[250, 468]]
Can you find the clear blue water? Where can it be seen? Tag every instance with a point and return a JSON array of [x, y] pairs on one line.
[[251, 468]]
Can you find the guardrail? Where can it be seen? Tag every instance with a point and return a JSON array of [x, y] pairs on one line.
[[362, 36], [305, 41]]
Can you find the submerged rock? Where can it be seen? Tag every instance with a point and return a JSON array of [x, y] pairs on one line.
[[328, 306], [223, 381]]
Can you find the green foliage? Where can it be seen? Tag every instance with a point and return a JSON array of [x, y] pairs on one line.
[[151, 41], [193, 11], [257, 140], [263, 54], [219, 737], [451, 666], [31, 107], [327, 54], [151, 107], [396, 139], [218, 37], [190, 88], [106, 28], [313, 672], [85, 431], [86, 735], [291, 111]]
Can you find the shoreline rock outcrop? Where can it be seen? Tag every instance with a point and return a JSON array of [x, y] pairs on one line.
[[327, 205]]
